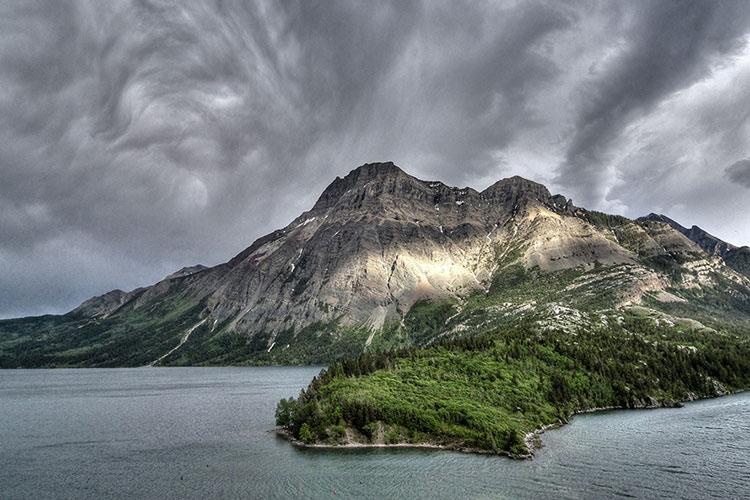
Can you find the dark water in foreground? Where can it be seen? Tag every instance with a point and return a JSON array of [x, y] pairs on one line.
[[204, 433]]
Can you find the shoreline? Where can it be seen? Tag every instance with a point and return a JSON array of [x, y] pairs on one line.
[[284, 434], [532, 439]]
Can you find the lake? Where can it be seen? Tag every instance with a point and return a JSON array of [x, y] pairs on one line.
[[206, 433]]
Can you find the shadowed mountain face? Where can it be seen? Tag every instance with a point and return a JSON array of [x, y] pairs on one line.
[[711, 244], [738, 258], [378, 247]]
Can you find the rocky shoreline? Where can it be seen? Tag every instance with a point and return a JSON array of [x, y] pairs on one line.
[[283, 433]]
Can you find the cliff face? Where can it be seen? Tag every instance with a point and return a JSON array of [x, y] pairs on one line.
[[379, 241], [376, 242]]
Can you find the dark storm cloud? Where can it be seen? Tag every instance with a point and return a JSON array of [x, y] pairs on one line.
[[138, 137], [473, 105], [739, 172], [666, 45]]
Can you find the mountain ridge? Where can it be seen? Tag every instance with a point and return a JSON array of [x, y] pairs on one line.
[[512, 188], [702, 238], [345, 275]]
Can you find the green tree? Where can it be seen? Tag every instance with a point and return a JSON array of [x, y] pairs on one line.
[[305, 434], [284, 412]]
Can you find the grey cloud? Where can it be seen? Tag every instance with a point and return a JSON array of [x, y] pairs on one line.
[[739, 172], [668, 46], [490, 90], [166, 132], [462, 89], [672, 160]]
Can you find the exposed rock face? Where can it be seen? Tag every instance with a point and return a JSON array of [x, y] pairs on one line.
[[379, 240]]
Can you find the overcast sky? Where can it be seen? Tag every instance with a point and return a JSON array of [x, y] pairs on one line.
[[139, 137]]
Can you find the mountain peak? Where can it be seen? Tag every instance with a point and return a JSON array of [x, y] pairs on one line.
[[511, 190], [507, 192], [659, 218], [358, 177], [705, 240], [371, 170], [519, 184]]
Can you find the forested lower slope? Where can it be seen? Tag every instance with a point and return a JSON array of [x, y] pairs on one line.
[[487, 392]]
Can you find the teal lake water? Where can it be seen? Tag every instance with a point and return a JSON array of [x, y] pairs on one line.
[[206, 433]]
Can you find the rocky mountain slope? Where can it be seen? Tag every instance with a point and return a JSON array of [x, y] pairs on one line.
[[386, 260]]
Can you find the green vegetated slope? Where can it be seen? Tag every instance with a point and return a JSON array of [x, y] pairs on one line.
[[505, 368], [130, 340], [138, 338], [135, 338]]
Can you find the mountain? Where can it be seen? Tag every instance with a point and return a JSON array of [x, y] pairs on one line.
[[384, 260], [738, 258], [708, 242]]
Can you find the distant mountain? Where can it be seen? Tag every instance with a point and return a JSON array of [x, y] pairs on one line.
[[708, 242], [738, 258], [381, 249]]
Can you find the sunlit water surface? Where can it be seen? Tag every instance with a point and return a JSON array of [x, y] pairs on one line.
[[206, 433]]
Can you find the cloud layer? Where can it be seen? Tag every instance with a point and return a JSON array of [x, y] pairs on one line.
[[138, 137], [739, 172]]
